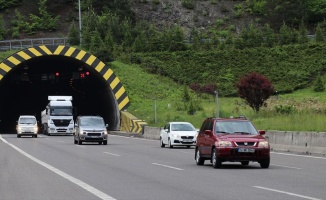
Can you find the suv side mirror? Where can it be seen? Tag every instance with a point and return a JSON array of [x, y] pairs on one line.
[[262, 132], [209, 132]]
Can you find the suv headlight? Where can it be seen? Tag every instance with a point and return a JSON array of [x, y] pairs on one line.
[[263, 144], [105, 132], [224, 144]]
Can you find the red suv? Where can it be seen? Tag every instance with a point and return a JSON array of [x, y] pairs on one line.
[[231, 140]]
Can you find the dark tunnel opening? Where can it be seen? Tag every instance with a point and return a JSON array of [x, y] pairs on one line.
[[25, 90]]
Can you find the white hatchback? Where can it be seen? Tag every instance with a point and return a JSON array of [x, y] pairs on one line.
[[178, 134]]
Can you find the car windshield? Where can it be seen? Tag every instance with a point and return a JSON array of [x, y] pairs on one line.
[[235, 127], [182, 127], [28, 120], [91, 122]]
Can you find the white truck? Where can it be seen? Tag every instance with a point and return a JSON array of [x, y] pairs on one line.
[[57, 118]]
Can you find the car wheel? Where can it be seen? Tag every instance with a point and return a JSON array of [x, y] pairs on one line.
[[162, 144], [216, 162], [244, 163], [265, 163], [35, 136], [18, 136], [199, 159], [105, 142], [170, 145], [99, 142], [79, 141], [75, 141]]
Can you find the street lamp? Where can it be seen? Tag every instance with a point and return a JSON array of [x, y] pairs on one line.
[[216, 99], [80, 30]]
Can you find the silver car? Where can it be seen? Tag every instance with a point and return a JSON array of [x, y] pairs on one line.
[[27, 126], [90, 129]]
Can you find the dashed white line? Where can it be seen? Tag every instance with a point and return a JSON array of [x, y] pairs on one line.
[[167, 166], [287, 154], [61, 141], [188, 152], [111, 154], [288, 193], [76, 181], [80, 146], [286, 166]]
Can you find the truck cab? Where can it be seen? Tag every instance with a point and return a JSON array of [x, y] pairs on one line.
[[57, 118]]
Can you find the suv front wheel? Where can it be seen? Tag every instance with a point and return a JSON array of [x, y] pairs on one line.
[[265, 163], [216, 162], [199, 159]]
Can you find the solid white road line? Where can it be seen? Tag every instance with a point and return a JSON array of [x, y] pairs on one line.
[[76, 181], [167, 166], [288, 193], [111, 154], [286, 166], [287, 154]]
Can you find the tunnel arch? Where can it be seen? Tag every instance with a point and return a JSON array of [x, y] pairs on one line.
[[27, 77]]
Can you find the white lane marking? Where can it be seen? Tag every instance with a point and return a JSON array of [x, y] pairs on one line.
[[287, 154], [111, 154], [134, 138], [188, 152], [76, 181], [167, 166], [61, 141], [288, 193], [80, 146], [286, 166]]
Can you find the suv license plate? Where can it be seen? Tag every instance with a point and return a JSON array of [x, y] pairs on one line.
[[187, 140], [245, 150]]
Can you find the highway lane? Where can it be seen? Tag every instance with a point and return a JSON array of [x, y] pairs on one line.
[[135, 168]]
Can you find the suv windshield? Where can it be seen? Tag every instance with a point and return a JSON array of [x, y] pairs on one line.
[[91, 122], [235, 127]]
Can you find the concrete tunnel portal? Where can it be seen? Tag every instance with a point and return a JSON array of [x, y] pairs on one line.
[[29, 76]]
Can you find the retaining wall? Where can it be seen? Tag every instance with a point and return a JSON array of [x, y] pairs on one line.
[[311, 143]]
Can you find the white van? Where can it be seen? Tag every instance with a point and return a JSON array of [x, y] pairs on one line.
[[27, 126]]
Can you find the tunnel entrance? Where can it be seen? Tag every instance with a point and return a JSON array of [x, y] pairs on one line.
[[29, 76]]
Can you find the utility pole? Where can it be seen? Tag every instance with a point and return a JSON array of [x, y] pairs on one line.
[[217, 107], [80, 25]]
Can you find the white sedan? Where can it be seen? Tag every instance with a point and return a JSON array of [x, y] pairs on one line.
[[178, 134]]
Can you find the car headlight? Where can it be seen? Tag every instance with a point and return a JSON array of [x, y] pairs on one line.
[[81, 131], [175, 135], [35, 129], [224, 144], [263, 144], [105, 132]]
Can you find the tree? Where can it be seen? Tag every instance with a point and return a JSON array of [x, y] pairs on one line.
[[319, 84], [255, 89], [73, 34], [319, 34]]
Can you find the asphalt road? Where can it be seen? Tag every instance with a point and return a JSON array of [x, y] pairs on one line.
[[53, 167]]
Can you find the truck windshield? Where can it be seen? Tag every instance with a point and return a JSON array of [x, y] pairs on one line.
[[61, 111]]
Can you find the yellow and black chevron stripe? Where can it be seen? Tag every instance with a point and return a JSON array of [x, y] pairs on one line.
[[137, 125], [130, 123], [60, 50]]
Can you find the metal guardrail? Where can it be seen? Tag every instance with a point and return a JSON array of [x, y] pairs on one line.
[[7, 45]]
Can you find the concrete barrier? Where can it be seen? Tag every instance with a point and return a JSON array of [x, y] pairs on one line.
[[309, 143]]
